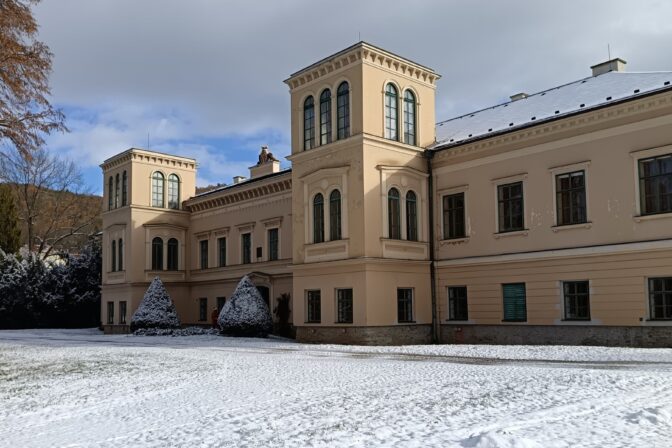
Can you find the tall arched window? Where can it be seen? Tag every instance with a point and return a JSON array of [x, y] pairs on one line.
[[335, 215], [391, 113], [114, 255], [309, 123], [110, 193], [411, 216], [120, 258], [117, 188], [325, 117], [172, 254], [394, 214], [124, 189], [157, 189], [318, 218], [173, 192], [343, 110], [157, 254], [409, 118]]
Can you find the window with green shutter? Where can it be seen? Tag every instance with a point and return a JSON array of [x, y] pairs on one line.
[[515, 307]]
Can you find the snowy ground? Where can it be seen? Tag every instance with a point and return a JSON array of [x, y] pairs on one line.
[[80, 388]]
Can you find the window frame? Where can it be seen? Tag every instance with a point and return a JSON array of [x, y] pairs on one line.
[[335, 215], [318, 224], [203, 255], [409, 307], [392, 214], [325, 121], [110, 312], [642, 191], [157, 254], [507, 181], [124, 189], [343, 111], [667, 301], [173, 191], [120, 254], [273, 244], [221, 251], [158, 187], [110, 193], [411, 215], [310, 295], [452, 311], [504, 297], [641, 154], [170, 257], [391, 114], [462, 191], [342, 309], [113, 249], [117, 190], [309, 132], [567, 296], [413, 114], [559, 201], [123, 309], [246, 250]]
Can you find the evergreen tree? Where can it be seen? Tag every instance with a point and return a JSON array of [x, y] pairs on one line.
[[156, 309], [245, 313], [10, 234]]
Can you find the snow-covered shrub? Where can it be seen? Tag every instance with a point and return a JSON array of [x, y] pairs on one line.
[[189, 331], [245, 313], [156, 309]]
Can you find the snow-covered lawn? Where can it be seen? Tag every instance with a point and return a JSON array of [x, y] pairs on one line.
[[81, 388]]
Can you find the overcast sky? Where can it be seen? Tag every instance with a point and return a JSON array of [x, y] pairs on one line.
[[204, 78]]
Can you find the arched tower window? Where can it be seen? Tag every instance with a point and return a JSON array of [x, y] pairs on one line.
[[335, 215], [391, 113], [409, 118], [343, 110], [318, 218], [157, 189], [325, 117], [113, 249], [308, 123], [173, 192], [120, 258], [394, 214], [124, 189], [117, 187], [172, 254], [157, 254], [110, 193], [411, 216]]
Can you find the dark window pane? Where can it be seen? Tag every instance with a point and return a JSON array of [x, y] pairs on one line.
[[325, 117], [273, 244], [510, 207], [308, 123], [157, 254], [577, 300], [343, 110], [660, 298], [246, 247], [457, 303], [571, 198], [221, 251], [391, 113], [344, 306], [335, 215], [394, 214], [411, 216], [404, 305], [655, 184], [313, 306], [318, 218]]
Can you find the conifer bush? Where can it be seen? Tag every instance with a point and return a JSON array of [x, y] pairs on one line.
[[245, 314], [156, 309]]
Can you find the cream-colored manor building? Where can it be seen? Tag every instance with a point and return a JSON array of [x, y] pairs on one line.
[[545, 219]]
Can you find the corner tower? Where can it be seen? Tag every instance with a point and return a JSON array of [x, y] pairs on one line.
[[361, 120]]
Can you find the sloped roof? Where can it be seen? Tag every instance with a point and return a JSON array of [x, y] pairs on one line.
[[241, 184], [578, 96]]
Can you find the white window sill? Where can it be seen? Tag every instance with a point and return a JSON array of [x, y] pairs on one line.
[[641, 218], [583, 225], [523, 232]]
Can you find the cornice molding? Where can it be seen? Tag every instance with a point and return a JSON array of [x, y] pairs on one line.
[[230, 197]]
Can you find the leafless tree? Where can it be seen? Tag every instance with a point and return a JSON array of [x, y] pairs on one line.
[[54, 206]]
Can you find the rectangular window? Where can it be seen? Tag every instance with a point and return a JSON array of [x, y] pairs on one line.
[[313, 306], [122, 312], [110, 312], [203, 309], [273, 244], [204, 254], [457, 303], [660, 298], [570, 195], [510, 207], [220, 303], [246, 248], [221, 251], [344, 306], [577, 300], [404, 305], [655, 185], [515, 305], [453, 216]]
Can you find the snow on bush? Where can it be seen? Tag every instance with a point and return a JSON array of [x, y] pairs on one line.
[[156, 309], [189, 331], [245, 313]]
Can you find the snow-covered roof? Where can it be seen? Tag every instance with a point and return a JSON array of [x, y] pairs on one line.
[[241, 183], [578, 96]]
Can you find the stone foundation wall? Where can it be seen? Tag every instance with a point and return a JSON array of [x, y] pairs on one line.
[[558, 335], [392, 335], [116, 329]]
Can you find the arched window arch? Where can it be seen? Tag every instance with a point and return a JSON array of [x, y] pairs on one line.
[[335, 215], [318, 218], [172, 254], [117, 187], [325, 117], [343, 110], [157, 189], [114, 255], [394, 214], [110, 193], [409, 118], [157, 254], [391, 112], [120, 258], [124, 189], [308, 123], [173, 192], [411, 216]]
